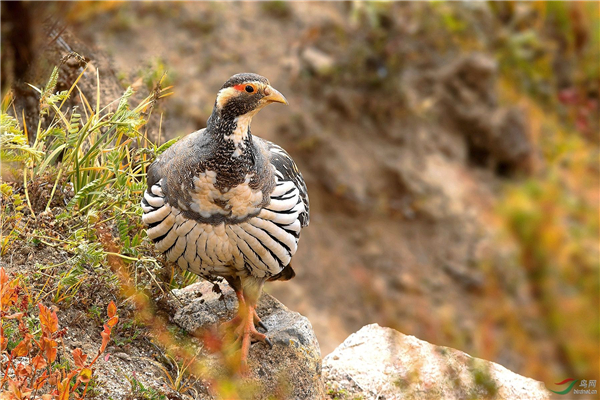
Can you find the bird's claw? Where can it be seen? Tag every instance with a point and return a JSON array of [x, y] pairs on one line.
[[262, 325], [268, 341]]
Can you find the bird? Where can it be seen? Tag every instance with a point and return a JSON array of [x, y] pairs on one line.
[[226, 204]]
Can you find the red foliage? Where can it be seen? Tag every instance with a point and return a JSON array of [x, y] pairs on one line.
[[39, 377]]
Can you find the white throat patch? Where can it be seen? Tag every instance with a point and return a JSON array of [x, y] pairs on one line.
[[240, 133]]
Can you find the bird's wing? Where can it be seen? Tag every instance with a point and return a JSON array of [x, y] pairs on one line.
[[175, 170], [286, 170], [179, 159]]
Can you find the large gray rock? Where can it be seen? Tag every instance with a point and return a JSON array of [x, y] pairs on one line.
[[292, 368], [381, 363]]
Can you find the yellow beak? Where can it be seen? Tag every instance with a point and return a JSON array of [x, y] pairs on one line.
[[272, 95]]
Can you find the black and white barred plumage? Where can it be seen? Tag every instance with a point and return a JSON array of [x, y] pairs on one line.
[[221, 202], [261, 245]]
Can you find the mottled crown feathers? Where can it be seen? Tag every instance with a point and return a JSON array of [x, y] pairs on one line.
[[244, 77]]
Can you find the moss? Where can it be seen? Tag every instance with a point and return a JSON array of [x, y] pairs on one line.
[[277, 8], [485, 385]]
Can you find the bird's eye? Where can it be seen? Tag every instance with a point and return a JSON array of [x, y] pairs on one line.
[[249, 89]]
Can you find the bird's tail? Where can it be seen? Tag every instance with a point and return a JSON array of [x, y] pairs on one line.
[[285, 275]]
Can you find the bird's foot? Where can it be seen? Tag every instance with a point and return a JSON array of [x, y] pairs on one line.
[[234, 324], [248, 334], [243, 328], [231, 325]]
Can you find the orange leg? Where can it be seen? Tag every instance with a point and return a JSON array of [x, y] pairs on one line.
[[234, 322], [248, 333], [244, 329]]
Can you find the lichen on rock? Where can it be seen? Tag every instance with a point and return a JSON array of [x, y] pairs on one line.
[[381, 363]]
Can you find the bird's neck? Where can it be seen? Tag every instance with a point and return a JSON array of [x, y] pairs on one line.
[[231, 133]]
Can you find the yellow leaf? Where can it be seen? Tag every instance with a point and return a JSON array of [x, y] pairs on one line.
[[85, 375], [63, 390], [22, 348], [113, 321]]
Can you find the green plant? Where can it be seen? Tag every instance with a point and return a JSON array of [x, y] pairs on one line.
[[95, 313], [93, 145], [130, 330], [338, 394], [277, 8], [181, 381], [181, 280], [154, 72], [102, 155], [13, 142], [11, 217], [141, 392]]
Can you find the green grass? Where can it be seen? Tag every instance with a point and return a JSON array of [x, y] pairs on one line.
[[95, 149], [94, 157], [101, 154], [141, 392]]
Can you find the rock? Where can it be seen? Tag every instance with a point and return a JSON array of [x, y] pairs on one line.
[[464, 95], [381, 363], [317, 61], [468, 97], [292, 366]]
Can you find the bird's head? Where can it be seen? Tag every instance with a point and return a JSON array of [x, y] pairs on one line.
[[245, 95]]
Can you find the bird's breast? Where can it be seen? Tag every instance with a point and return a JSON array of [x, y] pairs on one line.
[[237, 202], [261, 245]]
